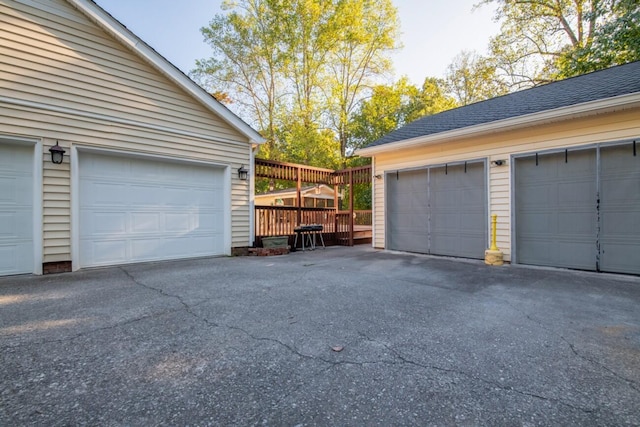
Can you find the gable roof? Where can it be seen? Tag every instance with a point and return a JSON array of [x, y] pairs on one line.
[[111, 25], [614, 87]]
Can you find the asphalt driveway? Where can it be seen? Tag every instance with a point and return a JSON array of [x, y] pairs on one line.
[[252, 341]]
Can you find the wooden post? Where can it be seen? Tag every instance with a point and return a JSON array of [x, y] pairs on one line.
[[336, 226], [351, 219], [299, 194]]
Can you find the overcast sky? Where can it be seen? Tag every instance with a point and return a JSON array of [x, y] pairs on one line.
[[433, 32]]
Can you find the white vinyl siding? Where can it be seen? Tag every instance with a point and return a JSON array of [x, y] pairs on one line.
[[500, 146], [62, 78]]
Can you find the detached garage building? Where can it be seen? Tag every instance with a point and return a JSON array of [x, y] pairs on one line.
[[150, 170], [559, 164]]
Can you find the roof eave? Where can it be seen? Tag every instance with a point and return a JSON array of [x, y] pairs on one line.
[[548, 116], [125, 36]]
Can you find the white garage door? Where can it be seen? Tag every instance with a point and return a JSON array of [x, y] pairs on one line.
[[134, 210], [16, 209]]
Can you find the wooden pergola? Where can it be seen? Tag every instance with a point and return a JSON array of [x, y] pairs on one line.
[[339, 225]]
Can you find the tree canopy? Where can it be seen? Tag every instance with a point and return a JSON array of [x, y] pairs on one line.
[[313, 75], [471, 78], [393, 106], [543, 40], [297, 69]]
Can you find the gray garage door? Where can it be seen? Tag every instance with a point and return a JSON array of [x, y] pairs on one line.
[[408, 211], [619, 240], [579, 209], [438, 210]]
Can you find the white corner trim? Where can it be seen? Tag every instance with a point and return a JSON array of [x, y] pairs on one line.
[[38, 233], [125, 36], [252, 200], [228, 206], [547, 116], [75, 209]]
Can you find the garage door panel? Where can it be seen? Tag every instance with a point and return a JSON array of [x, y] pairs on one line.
[[95, 165], [576, 224], [555, 199], [534, 196], [569, 253], [104, 252], [183, 223], [620, 256], [12, 257], [155, 210], [577, 193], [407, 217], [16, 224], [99, 193], [16, 209], [106, 223], [458, 210], [620, 210], [145, 222]]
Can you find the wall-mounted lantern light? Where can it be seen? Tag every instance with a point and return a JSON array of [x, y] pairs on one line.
[[378, 176], [499, 162], [243, 173], [57, 154]]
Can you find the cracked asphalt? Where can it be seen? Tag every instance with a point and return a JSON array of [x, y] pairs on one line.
[[248, 341]]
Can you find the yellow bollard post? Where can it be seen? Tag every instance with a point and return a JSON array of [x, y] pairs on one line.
[[494, 222], [493, 255]]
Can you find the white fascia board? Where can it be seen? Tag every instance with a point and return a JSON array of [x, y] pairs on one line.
[[548, 116], [125, 36]]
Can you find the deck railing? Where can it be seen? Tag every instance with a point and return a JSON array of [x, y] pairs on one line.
[[282, 220]]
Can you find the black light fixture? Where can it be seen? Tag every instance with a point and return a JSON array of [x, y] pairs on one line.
[[243, 173], [57, 154]]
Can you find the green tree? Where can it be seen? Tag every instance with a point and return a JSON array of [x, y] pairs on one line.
[[393, 106], [536, 35], [366, 30], [615, 42], [471, 78], [296, 69], [309, 145], [247, 60]]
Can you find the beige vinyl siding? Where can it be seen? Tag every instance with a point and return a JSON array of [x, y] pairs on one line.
[[62, 78], [500, 146], [56, 60]]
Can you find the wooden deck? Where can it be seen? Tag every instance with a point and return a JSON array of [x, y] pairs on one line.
[[282, 220]]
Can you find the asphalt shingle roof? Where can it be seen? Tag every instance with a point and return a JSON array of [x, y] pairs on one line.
[[608, 83]]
